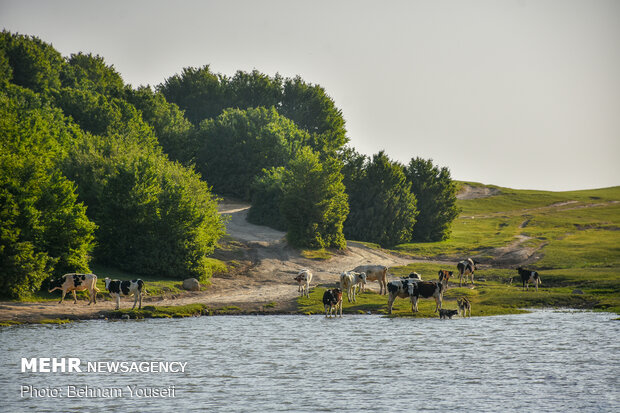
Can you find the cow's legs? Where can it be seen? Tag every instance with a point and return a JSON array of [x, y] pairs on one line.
[[62, 297], [390, 303], [74, 297], [118, 301]]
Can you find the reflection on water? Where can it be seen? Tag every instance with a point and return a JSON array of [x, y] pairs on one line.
[[545, 361]]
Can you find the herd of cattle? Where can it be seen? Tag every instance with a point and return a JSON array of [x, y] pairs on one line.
[[412, 287], [88, 282]]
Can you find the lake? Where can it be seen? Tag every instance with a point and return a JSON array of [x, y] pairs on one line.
[[545, 361]]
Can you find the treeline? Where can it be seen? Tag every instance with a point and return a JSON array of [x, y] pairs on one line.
[[83, 176], [91, 168]]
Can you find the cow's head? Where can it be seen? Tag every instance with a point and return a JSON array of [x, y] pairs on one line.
[[107, 282], [362, 276]]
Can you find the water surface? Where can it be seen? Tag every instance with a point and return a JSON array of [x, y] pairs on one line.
[[552, 361]]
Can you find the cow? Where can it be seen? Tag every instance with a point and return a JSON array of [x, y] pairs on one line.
[[464, 306], [413, 275], [304, 276], [332, 300], [374, 273], [444, 276], [414, 289], [403, 288], [349, 280], [116, 288], [447, 313], [466, 268], [428, 289], [528, 277], [76, 282]]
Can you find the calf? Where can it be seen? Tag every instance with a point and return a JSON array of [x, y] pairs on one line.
[[528, 277], [76, 282], [444, 276], [447, 313], [466, 268], [303, 279], [117, 288], [374, 273], [464, 306], [349, 280], [332, 300]]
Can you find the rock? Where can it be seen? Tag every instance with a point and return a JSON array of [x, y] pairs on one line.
[[577, 291], [191, 284], [125, 317]]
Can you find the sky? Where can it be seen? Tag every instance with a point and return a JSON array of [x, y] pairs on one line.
[[516, 93]]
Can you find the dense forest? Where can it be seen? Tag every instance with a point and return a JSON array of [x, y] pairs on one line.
[[94, 169]]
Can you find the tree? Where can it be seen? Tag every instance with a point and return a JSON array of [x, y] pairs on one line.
[[239, 144], [383, 208], [44, 230], [85, 71], [314, 202], [199, 92], [267, 190], [174, 132], [314, 111], [34, 64], [436, 195]]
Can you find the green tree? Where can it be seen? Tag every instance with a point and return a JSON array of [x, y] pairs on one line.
[[198, 92], [254, 89], [34, 64], [383, 208], [174, 132], [44, 230], [85, 71], [239, 144], [314, 202], [314, 111], [267, 190], [436, 194]]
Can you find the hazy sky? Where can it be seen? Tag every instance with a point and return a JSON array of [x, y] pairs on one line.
[[524, 94]]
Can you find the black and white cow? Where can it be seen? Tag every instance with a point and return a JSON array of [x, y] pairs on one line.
[[116, 288], [528, 277], [76, 282], [466, 268], [414, 289], [332, 300]]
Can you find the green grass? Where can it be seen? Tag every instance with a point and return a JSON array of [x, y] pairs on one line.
[[150, 311], [318, 254], [583, 233]]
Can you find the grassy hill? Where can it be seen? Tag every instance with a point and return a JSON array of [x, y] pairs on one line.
[[571, 238]]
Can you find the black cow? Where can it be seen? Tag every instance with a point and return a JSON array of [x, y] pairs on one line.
[[332, 299], [528, 277]]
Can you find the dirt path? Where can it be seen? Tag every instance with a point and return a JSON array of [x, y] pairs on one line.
[[266, 277]]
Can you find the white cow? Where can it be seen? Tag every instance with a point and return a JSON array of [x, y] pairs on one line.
[[349, 280], [374, 273], [304, 276], [76, 282]]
